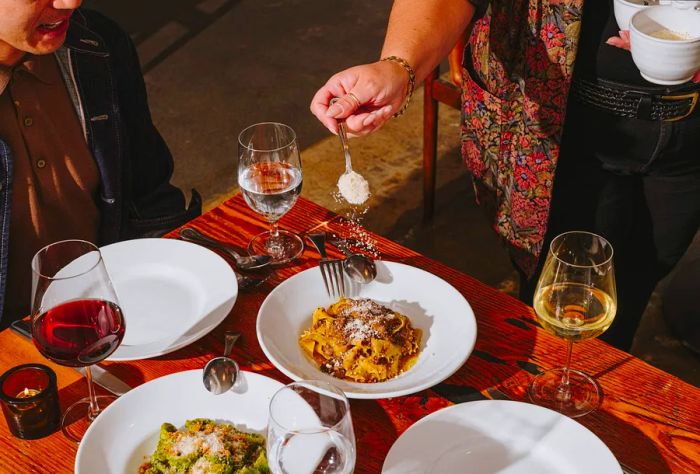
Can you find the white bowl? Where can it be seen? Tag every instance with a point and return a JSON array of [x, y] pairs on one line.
[[126, 433], [432, 304], [666, 61], [624, 9]]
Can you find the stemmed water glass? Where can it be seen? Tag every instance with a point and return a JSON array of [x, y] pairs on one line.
[[310, 430], [575, 299], [269, 175], [76, 319]]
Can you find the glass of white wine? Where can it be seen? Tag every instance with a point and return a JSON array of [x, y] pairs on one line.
[[575, 299], [269, 175], [310, 430]]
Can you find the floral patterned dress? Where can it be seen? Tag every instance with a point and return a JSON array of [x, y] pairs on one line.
[[522, 52]]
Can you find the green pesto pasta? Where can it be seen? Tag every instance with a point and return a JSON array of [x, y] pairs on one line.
[[206, 447]]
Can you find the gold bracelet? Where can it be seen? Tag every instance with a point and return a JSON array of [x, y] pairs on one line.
[[411, 80]]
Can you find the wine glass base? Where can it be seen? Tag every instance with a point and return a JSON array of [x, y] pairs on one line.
[[584, 395], [283, 248], [75, 420]]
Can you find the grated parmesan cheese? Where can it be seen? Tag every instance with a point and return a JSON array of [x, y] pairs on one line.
[[353, 187], [191, 442], [186, 445], [202, 466]]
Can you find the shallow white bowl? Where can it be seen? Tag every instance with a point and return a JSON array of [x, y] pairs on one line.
[[432, 304], [662, 61], [498, 436], [126, 433]]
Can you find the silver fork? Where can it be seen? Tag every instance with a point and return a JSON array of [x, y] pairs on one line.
[[331, 269]]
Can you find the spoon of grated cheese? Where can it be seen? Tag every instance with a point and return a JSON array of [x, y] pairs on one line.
[[352, 185]]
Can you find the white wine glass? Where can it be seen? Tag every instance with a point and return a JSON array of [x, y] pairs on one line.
[[269, 175], [310, 430], [575, 299], [76, 319]]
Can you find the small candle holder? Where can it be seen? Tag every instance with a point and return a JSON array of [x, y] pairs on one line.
[[29, 399]]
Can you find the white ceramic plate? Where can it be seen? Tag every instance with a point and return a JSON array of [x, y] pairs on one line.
[[126, 433], [172, 293], [433, 305], [498, 436]]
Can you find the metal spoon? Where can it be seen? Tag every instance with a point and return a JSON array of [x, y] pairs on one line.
[[349, 173], [359, 268], [220, 373], [252, 262], [246, 282]]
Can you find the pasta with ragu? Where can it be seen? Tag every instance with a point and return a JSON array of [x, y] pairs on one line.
[[361, 341]]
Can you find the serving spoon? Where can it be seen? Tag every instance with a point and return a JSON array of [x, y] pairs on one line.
[[220, 373], [252, 262]]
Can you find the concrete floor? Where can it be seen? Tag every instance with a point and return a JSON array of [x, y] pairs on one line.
[[212, 67]]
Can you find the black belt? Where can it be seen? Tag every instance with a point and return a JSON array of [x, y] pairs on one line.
[[636, 102]]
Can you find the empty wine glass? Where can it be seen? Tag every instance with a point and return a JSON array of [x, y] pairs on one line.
[[76, 319], [310, 430], [575, 299], [269, 174]]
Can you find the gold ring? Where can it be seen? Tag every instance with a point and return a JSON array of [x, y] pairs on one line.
[[355, 99]]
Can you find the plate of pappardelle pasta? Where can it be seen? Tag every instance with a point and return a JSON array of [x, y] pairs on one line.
[[404, 332]]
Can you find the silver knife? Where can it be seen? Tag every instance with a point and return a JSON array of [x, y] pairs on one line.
[[100, 376]]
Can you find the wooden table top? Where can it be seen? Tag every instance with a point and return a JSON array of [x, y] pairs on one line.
[[649, 418]]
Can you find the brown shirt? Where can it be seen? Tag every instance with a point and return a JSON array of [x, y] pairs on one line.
[[55, 186]]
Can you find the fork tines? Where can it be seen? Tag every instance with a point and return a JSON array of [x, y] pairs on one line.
[[332, 273]]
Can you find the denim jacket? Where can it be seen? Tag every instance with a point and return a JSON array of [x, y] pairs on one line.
[[101, 71]]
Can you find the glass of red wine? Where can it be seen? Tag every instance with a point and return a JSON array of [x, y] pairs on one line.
[[76, 319]]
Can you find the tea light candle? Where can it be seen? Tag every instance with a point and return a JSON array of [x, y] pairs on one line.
[[27, 392], [29, 400]]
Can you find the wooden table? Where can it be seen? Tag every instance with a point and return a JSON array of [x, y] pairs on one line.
[[649, 419]]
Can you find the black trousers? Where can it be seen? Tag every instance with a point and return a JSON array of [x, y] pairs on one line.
[[636, 183]]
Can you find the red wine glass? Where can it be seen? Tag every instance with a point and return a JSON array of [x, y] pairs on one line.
[[76, 319]]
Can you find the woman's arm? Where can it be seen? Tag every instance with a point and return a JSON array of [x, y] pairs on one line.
[[421, 32], [424, 31]]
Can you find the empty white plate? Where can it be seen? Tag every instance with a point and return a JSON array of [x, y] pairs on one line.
[[171, 292], [498, 436], [432, 305]]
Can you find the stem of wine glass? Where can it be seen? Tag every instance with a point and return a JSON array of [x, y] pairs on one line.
[[94, 409], [274, 230], [564, 389]]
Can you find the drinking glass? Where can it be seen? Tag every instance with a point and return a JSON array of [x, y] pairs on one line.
[[310, 430], [575, 299], [269, 175], [76, 319]]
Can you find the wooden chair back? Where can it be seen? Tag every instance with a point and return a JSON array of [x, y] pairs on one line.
[[437, 90]]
